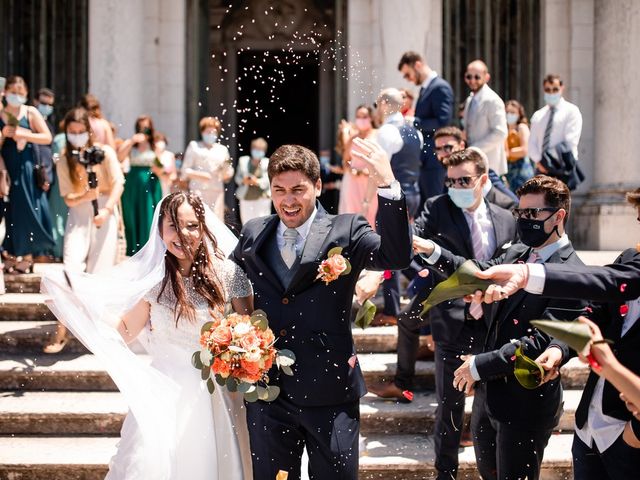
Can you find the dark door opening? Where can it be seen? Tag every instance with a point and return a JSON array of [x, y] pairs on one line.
[[278, 98]]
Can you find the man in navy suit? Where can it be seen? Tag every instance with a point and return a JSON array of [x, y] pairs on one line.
[[434, 109], [318, 406]]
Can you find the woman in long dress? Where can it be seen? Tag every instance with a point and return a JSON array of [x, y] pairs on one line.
[[176, 283]]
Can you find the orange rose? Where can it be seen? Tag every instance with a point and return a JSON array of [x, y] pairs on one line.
[[221, 335], [337, 263], [252, 368], [250, 341]]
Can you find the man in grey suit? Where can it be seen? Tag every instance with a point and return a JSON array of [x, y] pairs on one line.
[[485, 118]]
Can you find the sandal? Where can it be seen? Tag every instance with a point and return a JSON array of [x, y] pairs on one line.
[[56, 347], [9, 262], [24, 264]]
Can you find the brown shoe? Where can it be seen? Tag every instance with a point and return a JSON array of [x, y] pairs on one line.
[[466, 439], [425, 353], [383, 320], [390, 390]]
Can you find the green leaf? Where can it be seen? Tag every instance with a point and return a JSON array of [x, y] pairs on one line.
[[575, 334], [286, 358], [211, 386], [232, 384], [259, 320], [244, 387], [205, 372], [221, 380], [527, 372], [272, 393], [262, 392], [195, 360], [206, 327], [365, 314], [206, 357], [251, 396], [287, 370], [348, 270], [334, 251], [462, 282]]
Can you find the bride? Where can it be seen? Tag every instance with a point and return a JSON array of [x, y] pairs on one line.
[[162, 296]]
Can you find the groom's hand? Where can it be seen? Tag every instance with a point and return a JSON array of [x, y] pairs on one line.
[[376, 158]]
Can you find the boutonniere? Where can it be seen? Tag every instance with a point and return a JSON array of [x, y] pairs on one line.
[[333, 266]]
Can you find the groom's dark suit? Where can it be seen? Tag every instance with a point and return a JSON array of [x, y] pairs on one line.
[[318, 405]]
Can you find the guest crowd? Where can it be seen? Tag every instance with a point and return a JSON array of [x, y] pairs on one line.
[[492, 185]]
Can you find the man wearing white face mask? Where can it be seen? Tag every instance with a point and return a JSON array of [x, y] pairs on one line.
[[558, 122], [253, 182]]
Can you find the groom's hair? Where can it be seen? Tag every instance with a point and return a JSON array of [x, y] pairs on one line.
[[294, 158]]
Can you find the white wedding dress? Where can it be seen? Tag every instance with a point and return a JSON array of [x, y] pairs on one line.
[[210, 441]]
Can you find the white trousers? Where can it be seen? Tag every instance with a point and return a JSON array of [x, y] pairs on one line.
[[86, 247]]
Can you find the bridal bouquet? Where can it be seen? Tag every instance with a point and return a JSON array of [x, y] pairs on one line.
[[238, 351]]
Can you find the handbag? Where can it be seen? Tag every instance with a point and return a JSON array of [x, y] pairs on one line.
[[41, 153], [5, 180]]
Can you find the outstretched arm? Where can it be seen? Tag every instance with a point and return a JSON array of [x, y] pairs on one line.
[[132, 323]]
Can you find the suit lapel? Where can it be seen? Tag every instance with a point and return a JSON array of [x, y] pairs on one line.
[[460, 223], [313, 247], [427, 91], [515, 300], [499, 230], [269, 227]]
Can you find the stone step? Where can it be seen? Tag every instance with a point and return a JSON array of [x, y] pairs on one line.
[[102, 413], [387, 457], [83, 372], [24, 307], [22, 283], [19, 336]]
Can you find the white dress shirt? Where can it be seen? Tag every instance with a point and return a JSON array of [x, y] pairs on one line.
[[600, 428], [567, 127], [389, 137]]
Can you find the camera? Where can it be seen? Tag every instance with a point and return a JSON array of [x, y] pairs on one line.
[[89, 157]]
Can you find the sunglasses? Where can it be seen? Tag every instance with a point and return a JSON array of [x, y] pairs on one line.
[[470, 76], [551, 89], [531, 213], [445, 148], [464, 182]]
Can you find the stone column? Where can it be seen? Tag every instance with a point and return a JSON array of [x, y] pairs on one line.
[[379, 32], [605, 221]]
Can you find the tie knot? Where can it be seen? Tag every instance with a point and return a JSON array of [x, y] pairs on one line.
[[290, 234]]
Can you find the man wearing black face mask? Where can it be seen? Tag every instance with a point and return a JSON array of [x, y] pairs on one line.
[[511, 425]]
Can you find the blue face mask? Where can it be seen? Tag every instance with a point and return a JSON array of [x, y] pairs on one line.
[[512, 118], [462, 197], [15, 100], [209, 138], [256, 153], [45, 110], [552, 99]]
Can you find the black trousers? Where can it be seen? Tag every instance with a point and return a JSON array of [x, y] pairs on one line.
[[618, 462], [450, 410], [279, 431], [503, 451]]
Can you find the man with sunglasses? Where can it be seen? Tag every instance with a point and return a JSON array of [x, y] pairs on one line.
[[485, 120], [465, 223], [557, 124], [451, 139], [434, 109], [511, 425]]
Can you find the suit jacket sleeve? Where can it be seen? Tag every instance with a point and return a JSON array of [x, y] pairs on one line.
[[497, 132], [391, 247], [442, 99], [618, 282], [499, 363], [448, 262]]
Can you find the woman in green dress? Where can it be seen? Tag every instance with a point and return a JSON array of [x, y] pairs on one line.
[[142, 188]]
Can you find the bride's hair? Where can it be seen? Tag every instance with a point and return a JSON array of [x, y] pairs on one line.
[[206, 282]]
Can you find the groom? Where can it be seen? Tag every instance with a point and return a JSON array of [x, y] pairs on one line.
[[318, 406]]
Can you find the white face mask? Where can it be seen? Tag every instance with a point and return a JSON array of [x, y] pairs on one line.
[[78, 140], [209, 138], [161, 145]]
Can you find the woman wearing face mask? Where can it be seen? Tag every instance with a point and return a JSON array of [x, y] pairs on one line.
[[142, 189], [516, 145], [90, 241], [28, 221], [207, 166], [253, 182], [168, 161], [357, 194]]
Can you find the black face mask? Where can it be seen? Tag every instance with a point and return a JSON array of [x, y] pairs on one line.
[[531, 232]]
